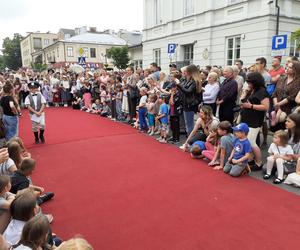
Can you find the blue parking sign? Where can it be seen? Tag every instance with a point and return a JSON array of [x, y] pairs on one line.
[[279, 42], [171, 48]]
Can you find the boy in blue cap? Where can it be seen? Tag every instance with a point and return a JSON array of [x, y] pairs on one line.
[[36, 104], [241, 153]]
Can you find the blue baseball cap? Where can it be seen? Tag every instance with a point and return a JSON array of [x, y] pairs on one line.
[[242, 127]]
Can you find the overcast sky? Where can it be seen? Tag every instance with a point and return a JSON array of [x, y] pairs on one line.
[[21, 16]]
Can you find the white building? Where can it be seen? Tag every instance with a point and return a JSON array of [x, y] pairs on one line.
[[215, 32]]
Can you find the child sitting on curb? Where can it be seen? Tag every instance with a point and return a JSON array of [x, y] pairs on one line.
[[238, 161], [225, 147]]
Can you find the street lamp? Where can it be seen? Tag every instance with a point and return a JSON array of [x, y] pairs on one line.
[[278, 14]]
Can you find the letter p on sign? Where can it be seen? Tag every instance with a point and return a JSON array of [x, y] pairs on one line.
[[279, 42]]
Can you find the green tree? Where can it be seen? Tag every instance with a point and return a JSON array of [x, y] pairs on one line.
[[119, 55], [296, 36], [12, 52], [39, 66], [2, 64]]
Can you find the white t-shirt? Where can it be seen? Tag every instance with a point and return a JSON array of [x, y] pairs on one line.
[[5, 166], [143, 100], [279, 150], [13, 232], [22, 247], [34, 117]]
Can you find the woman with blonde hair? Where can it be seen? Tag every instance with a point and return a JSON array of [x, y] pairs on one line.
[[75, 244]]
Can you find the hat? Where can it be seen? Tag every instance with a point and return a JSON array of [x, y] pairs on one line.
[[173, 65], [33, 85], [242, 127]]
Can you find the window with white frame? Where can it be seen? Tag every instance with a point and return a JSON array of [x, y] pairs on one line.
[[70, 51], [188, 52], [157, 56], [93, 52], [294, 45], [233, 51], [46, 42], [86, 52], [189, 7], [157, 11]]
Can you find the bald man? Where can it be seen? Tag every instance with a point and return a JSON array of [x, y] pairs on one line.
[[227, 96]]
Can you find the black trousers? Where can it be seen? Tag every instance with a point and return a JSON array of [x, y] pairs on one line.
[[226, 112], [175, 127], [113, 109], [132, 107], [199, 136]]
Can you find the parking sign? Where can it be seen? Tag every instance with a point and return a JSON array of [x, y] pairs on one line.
[[279, 42], [171, 48]]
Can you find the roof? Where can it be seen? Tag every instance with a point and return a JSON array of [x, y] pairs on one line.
[[132, 38], [95, 38], [68, 31]]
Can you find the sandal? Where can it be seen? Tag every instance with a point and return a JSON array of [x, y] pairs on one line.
[[267, 176], [278, 181]]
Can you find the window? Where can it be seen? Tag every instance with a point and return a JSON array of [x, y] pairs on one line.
[[57, 50], [188, 52], [86, 52], [70, 51], [93, 52], [157, 56], [188, 7], [157, 11], [37, 43], [294, 51], [46, 42], [233, 49]]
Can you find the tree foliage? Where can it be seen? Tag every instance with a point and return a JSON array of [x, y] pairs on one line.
[[296, 36], [39, 66], [120, 56], [12, 52]]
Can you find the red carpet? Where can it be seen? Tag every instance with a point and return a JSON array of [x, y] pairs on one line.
[[123, 190]]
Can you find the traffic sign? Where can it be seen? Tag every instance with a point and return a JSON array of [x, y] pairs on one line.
[[81, 51], [279, 42], [171, 48], [81, 60]]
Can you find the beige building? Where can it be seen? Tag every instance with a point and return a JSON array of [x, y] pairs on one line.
[[91, 46], [32, 45]]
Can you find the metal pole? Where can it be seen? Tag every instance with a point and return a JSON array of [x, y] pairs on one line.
[[278, 15]]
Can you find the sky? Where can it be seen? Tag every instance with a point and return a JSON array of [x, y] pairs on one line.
[[21, 16]]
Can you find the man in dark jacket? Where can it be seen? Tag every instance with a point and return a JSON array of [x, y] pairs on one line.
[[227, 96]]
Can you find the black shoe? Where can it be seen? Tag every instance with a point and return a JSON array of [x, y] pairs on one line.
[[46, 197], [37, 141], [255, 167], [42, 138], [277, 181], [266, 176]]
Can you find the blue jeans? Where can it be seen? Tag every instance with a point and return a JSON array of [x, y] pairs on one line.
[[189, 121], [142, 118], [11, 124]]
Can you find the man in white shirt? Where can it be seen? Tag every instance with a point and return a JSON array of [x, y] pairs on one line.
[[36, 103]]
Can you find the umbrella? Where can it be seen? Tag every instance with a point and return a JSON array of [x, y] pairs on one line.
[[76, 68]]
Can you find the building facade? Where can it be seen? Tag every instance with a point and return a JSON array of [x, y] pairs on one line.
[[215, 32], [32, 45], [91, 46]]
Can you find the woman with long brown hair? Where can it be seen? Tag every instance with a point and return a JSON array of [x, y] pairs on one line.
[[191, 87]]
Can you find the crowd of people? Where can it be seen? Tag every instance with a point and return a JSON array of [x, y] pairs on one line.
[[221, 116]]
